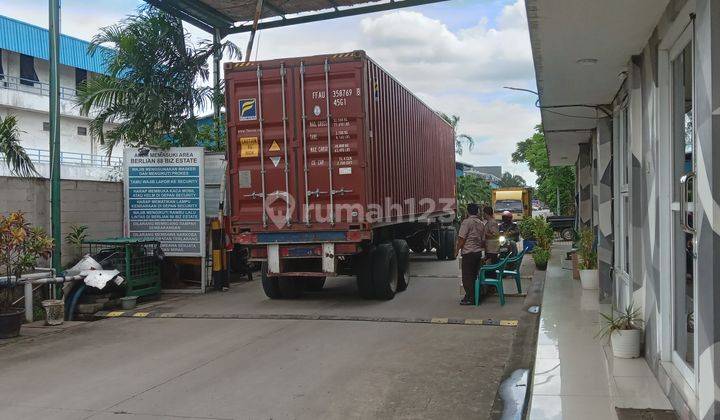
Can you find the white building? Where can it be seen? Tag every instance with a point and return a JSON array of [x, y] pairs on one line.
[[24, 92]]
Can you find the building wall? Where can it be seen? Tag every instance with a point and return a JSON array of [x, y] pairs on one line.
[[98, 205], [32, 109], [584, 185], [604, 185]]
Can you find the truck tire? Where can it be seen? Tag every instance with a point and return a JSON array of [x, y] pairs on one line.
[[314, 284], [291, 287], [440, 249], [450, 240], [567, 234], [385, 272], [402, 251], [364, 273], [270, 284]]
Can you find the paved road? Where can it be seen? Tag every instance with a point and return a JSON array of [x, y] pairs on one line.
[[134, 368]]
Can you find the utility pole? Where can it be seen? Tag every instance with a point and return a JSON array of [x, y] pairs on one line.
[[54, 48]]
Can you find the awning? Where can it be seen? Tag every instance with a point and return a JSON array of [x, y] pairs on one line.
[[580, 49], [235, 16]]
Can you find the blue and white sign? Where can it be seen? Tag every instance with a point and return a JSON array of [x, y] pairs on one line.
[[165, 198], [248, 109]]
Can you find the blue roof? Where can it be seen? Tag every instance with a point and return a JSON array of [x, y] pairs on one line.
[[32, 40]]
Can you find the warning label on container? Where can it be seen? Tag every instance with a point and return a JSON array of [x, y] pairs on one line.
[[249, 147], [275, 147]]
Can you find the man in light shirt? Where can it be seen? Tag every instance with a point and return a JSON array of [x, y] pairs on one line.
[[471, 238]]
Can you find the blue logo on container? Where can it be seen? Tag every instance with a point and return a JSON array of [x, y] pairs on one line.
[[248, 109]]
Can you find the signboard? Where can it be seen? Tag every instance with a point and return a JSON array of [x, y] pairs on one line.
[[165, 198]]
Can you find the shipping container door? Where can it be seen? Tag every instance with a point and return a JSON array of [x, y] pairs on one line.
[[263, 143], [331, 141]]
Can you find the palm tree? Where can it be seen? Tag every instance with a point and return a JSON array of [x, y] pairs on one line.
[[510, 180], [16, 159], [471, 189], [459, 138], [153, 85]]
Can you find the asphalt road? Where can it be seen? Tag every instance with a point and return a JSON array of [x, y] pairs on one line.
[[142, 368]]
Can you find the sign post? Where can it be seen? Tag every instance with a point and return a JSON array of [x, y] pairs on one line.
[[165, 200]]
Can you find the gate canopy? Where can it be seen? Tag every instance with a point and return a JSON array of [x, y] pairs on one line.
[[235, 16]]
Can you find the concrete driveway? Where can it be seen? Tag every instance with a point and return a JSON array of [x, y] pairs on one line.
[[150, 368]]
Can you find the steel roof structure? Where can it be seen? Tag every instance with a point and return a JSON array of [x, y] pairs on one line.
[[236, 16], [32, 40]]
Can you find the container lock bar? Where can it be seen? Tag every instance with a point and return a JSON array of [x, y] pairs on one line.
[[283, 71], [304, 134], [329, 140], [262, 145]]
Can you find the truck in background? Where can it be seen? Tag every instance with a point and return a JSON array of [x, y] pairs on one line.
[[516, 200], [335, 168]]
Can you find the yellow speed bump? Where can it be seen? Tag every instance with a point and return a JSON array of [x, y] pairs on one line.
[[509, 322], [439, 321], [114, 314], [141, 314]]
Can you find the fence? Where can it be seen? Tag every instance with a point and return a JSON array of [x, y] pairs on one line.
[[32, 86], [76, 159]]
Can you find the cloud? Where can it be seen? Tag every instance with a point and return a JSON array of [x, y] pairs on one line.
[[425, 54]]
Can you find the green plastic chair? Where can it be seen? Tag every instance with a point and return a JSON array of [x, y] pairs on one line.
[[516, 272], [481, 280]]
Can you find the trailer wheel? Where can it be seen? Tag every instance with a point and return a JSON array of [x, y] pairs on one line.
[[450, 240], [291, 287], [270, 284], [385, 271], [402, 251], [364, 273], [567, 234], [440, 248], [314, 284]]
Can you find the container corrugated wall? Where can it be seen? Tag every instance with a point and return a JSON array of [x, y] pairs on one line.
[[345, 133]]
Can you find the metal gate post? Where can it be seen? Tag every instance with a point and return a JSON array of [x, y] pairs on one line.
[[54, 48]]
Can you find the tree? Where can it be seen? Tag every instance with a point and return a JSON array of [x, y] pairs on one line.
[[510, 180], [550, 179], [459, 138], [16, 158], [471, 189], [152, 88]]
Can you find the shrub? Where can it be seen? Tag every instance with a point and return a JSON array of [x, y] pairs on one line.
[[543, 232], [541, 256], [20, 247], [586, 252]]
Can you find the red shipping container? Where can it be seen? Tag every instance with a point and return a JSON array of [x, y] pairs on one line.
[[385, 145], [332, 149]]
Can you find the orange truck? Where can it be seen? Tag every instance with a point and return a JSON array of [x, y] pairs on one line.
[[517, 200]]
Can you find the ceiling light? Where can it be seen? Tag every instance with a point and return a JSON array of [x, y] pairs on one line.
[[587, 61]]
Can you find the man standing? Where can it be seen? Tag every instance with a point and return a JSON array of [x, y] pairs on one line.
[[492, 231], [470, 245]]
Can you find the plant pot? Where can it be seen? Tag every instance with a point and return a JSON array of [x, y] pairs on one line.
[[576, 272], [625, 343], [128, 302], [529, 244], [54, 311], [10, 323], [590, 279], [541, 266]]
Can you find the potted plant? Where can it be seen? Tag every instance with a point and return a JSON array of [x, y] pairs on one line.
[[541, 257], [526, 231], [20, 247], [587, 264], [623, 330]]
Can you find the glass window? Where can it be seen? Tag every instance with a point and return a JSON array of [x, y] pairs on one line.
[[46, 126], [27, 70], [514, 206], [683, 239], [80, 77], [82, 131]]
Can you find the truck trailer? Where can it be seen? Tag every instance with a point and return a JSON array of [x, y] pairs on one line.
[[516, 200], [335, 168]]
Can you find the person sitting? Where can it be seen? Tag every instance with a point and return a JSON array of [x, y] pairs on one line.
[[509, 228]]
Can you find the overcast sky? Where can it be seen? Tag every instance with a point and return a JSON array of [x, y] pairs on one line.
[[456, 55]]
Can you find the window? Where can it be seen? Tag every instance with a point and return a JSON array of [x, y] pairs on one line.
[[2, 72], [80, 78], [27, 70], [514, 206], [46, 126], [82, 131]]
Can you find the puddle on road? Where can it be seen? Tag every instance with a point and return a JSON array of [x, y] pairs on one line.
[[512, 392]]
